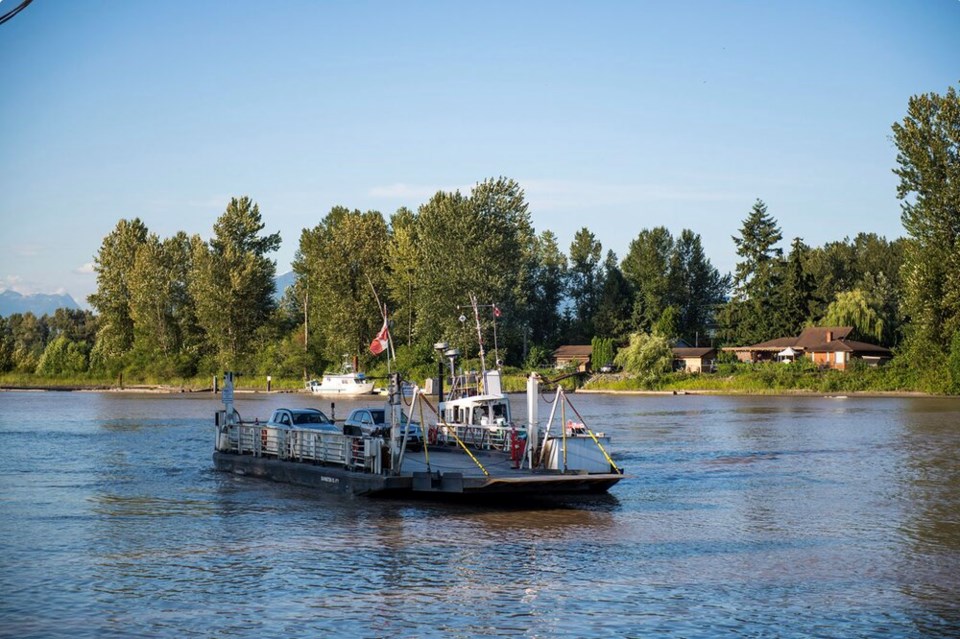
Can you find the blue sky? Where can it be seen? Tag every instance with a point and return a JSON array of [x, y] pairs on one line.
[[617, 116]]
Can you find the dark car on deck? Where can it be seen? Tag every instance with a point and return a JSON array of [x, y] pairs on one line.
[[376, 422]]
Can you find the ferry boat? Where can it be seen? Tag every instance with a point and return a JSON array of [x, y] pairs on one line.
[[473, 448]]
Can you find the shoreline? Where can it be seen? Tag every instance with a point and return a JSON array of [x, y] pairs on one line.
[[769, 393], [160, 389]]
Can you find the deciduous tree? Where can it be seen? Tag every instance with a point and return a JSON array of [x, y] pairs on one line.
[[850, 308], [113, 265], [483, 244], [344, 261], [928, 165], [232, 281], [647, 356]]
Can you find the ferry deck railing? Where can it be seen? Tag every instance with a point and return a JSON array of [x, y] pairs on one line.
[[359, 453]]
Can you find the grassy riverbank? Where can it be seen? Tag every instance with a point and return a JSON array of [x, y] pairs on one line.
[[13, 381], [774, 378], [769, 378]]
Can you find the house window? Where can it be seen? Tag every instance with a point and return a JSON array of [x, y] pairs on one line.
[[839, 357]]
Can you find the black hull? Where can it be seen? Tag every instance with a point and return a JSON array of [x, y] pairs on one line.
[[446, 486]]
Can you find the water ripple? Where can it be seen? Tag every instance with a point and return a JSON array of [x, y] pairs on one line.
[[743, 517]]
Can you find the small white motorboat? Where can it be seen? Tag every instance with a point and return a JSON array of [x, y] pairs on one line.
[[341, 384]]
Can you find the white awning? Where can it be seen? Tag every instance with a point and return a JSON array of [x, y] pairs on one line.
[[788, 352]]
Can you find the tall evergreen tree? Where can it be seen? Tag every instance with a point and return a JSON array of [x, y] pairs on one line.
[[612, 319], [508, 254], [585, 283], [647, 267], [696, 289], [797, 299], [751, 315], [549, 288]]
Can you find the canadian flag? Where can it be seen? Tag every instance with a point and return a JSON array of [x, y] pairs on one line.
[[496, 311], [381, 341]]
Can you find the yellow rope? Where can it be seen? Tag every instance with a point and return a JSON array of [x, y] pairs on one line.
[[594, 437], [453, 431], [424, 429], [563, 430]]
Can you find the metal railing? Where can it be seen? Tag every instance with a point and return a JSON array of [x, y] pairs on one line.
[[483, 437], [302, 445]]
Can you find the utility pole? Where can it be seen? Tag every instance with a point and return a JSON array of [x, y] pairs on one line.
[[306, 328]]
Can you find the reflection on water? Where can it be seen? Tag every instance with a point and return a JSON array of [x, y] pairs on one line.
[[930, 493], [788, 517]]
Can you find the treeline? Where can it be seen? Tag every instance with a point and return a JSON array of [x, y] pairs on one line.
[[182, 306]]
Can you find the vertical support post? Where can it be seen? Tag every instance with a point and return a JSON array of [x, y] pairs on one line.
[[533, 415], [563, 426], [441, 372], [396, 446], [229, 414]]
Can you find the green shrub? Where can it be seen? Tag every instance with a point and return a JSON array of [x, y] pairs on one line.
[[63, 357], [953, 363], [538, 357], [648, 357]]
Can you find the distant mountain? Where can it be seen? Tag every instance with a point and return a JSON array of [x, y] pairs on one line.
[[282, 282], [39, 304], [44, 304]]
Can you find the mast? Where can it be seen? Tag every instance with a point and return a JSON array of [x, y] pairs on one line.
[[476, 317]]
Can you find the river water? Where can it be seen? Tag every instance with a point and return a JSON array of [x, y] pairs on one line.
[[742, 517]]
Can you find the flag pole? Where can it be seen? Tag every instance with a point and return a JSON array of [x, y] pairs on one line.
[[496, 351], [383, 311], [393, 353]]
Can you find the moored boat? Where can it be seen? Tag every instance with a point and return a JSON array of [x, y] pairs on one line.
[[349, 383]]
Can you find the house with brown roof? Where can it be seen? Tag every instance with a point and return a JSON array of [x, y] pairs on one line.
[[827, 346], [838, 353], [694, 360], [566, 355]]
